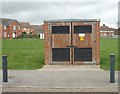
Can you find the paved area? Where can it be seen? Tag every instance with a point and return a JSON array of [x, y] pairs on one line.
[[56, 78], [72, 67]]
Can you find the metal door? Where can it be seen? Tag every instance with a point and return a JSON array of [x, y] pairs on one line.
[[67, 45], [61, 39], [82, 40]]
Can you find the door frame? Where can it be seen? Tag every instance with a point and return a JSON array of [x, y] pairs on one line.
[[14, 34]]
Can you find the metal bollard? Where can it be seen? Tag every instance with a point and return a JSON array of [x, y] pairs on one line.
[[112, 68], [5, 70]]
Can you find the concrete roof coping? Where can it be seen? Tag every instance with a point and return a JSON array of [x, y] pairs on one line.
[[72, 20]]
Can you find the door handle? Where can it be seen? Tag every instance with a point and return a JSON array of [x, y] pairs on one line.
[[71, 46]]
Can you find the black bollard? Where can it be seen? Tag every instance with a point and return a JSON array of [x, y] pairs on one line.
[[5, 70], [112, 68]]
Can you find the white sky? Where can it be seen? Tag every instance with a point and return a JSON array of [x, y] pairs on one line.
[[35, 11]]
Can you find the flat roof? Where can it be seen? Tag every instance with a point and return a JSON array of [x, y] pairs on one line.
[[72, 20]]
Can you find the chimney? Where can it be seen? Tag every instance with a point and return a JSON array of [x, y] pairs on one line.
[[103, 24]]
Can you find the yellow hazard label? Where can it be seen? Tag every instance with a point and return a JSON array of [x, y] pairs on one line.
[[82, 38]]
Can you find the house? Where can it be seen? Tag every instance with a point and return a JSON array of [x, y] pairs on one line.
[[106, 31], [38, 30], [10, 28], [25, 27], [117, 33]]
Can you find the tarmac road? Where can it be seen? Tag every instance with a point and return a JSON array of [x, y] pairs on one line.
[[61, 79]]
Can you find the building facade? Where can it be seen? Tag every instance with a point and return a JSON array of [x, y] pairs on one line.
[[10, 28], [106, 31], [25, 27], [38, 30]]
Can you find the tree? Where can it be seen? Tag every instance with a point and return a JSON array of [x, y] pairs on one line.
[[24, 35]]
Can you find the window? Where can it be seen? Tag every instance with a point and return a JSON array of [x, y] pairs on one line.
[[14, 27], [19, 27], [5, 34], [83, 29], [4, 27], [105, 34], [60, 29], [112, 34], [24, 28]]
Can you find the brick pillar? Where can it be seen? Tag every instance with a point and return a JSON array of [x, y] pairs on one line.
[[46, 42], [98, 43]]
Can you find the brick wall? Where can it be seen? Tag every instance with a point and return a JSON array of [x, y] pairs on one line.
[[46, 42], [9, 30], [98, 43]]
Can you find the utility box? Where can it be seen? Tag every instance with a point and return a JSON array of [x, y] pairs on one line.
[[72, 41]]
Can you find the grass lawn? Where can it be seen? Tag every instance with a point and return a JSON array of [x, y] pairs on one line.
[[108, 46], [24, 53], [29, 53]]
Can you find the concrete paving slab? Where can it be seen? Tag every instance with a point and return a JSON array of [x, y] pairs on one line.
[[39, 89], [57, 79], [72, 67]]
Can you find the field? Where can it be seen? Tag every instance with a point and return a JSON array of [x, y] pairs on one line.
[[29, 53], [24, 53], [108, 46]]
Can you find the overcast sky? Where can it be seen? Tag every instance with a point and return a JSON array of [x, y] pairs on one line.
[[36, 12]]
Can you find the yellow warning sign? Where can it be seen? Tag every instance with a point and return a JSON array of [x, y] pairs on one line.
[[82, 38]]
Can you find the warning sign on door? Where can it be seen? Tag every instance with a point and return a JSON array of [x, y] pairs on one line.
[[82, 36]]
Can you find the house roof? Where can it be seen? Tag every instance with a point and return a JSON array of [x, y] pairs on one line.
[[72, 20], [6, 22], [37, 28], [25, 24], [106, 28]]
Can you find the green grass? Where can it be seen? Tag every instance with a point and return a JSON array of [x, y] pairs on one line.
[[108, 46], [24, 53], [29, 53]]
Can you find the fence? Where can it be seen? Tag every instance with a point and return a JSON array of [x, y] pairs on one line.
[[115, 36]]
